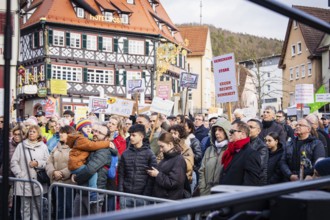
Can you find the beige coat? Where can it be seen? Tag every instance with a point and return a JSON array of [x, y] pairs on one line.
[[19, 165], [58, 161]]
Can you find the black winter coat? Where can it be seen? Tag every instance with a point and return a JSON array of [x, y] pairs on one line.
[[272, 126], [259, 145], [201, 132], [96, 162], [274, 173], [195, 145], [314, 150], [244, 169], [169, 183], [132, 170]]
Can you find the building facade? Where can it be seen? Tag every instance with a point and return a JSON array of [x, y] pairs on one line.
[[95, 47]]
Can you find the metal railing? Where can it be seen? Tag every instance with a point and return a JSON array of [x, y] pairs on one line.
[[36, 203], [214, 202], [82, 205]]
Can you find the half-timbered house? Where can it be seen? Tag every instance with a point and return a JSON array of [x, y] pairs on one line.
[[96, 46]]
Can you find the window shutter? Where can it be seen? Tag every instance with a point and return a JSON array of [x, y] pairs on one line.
[[84, 41], [143, 75], [115, 45], [180, 60], [100, 42], [50, 37], [30, 41], [126, 46], [147, 48], [124, 78], [117, 78], [67, 38], [85, 71], [48, 71], [36, 39]]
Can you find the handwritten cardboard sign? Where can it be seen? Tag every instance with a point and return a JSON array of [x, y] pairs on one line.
[[161, 106], [163, 89], [111, 105], [189, 80], [135, 85]]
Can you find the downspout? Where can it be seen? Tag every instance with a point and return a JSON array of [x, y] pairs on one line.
[[201, 85]]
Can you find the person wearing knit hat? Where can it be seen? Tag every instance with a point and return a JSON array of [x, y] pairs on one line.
[[84, 126]]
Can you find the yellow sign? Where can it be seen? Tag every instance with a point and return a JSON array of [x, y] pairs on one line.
[[58, 86]]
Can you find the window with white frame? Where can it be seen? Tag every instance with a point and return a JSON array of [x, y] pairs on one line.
[[297, 72], [91, 42], [136, 47], [303, 72], [75, 40], [35, 74], [291, 74], [69, 73], [100, 76], [124, 18], [58, 38], [309, 70], [130, 1], [293, 50], [41, 38], [42, 72], [80, 12], [299, 48], [107, 44], [108, 16], [67, 107]]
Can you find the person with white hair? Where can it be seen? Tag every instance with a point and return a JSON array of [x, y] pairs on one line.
[[239, 115]]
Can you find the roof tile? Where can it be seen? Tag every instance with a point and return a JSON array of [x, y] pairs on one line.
[[197, 36]]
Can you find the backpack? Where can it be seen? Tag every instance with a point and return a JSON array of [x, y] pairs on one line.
[[113, 167]]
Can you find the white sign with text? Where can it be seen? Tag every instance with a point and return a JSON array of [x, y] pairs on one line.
[[325, 97], [162, 106], [304, 93]]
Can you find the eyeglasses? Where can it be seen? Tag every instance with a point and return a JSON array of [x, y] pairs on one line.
[[232, 131], [301, 125], [98, 132], [279, 116]]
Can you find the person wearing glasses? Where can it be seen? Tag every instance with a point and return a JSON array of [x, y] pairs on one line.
[[269, 125], [275, 150], [304, 148], [241, 164], [96, 163], [200, 131], [209, 172], [260, 146]]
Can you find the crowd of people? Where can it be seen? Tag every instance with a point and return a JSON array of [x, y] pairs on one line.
[[174, 157]]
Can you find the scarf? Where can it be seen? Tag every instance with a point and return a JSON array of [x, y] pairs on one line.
[[220, 145], [232, 149], [267, 124]]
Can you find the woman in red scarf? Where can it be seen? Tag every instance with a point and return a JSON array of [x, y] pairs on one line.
[[241, 164]]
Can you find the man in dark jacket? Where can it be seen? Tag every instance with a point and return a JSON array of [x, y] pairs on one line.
[[303, 149], [200, 130], [281, 120], [97, 162], [133, 166], [270, 125], [260, 146], [241, 164]]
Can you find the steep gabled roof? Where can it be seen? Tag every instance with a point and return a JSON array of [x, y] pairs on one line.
[[105, 4], [197, 36], [141, 21], [312, 37]]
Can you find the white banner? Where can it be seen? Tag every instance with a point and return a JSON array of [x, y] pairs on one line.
[[325, 97], [162, 106], [225, 78], [304, 93], [111, 105]]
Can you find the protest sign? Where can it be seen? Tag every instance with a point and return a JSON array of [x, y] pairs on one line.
[[161, 106], [304, 93], [189, 80], [80, 112], [225, 78], [325, 97], [163, 89], [111, 105], [135, 85]]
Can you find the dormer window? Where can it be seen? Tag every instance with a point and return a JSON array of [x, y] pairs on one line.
[[130, 2], [80, 12], [124, 19], [295, 25], [108, 16]]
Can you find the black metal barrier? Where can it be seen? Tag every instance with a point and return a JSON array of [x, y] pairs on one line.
[[214, 202]]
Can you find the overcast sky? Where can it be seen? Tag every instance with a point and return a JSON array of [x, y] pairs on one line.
[[235, 15]]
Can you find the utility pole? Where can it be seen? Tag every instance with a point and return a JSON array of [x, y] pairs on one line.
[[201, 12]]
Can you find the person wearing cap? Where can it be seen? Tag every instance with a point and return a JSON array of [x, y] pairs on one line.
[[69, 115], [84, 126], [41, 118], [325, 122], [132, 168]]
